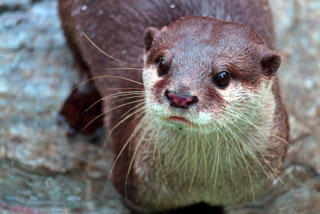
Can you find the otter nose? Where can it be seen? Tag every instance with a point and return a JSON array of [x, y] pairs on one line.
[[180, 101]]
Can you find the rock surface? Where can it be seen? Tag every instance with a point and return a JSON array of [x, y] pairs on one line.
[[42, 171]]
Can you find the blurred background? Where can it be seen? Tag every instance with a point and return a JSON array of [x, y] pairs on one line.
[[43, 171]]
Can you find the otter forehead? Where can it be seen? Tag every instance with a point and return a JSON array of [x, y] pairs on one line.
[[206, 36]]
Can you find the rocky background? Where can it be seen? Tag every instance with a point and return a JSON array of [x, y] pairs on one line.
[[43, 171]]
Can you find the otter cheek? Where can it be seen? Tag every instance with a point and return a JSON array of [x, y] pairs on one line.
[[149, 77], [233, 94]]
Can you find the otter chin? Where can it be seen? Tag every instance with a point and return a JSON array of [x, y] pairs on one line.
[[207, 124]]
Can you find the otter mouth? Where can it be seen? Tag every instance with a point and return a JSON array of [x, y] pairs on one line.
[[183, 123], [180, 120]]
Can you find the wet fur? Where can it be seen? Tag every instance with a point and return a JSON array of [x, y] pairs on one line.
[[149, 180]]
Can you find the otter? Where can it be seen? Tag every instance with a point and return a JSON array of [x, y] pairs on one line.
[[190, 96]]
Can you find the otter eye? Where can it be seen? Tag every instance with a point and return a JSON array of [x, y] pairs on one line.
[[222, 79], [163, 67]]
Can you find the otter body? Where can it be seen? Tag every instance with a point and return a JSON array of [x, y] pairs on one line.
[[207, 124]]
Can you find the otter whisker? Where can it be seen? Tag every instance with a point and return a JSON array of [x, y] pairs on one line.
[[128, 141], [267, 162], [129, 98], [104, 53], [250, 179], [118, 94], [179, 145], [141, 109], [137, 89], [103, 113], [241, 154], [252, 154], [227, 143], [171, 151], [165, 156], [106, 76], [123, 120], [217, 163], [142, 113], [195, 163], [204, 152], [183, 159], [229, 157], [238, 138], [187, 160], [269, 165], [131, 109], [218, 133], [138, 109], [133, 157], [157, 145], [261, 130], [125, 69], [214, 167], [153, 131]]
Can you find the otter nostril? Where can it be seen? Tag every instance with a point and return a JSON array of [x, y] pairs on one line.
[[169, 95], [180, 101], [192, 100]]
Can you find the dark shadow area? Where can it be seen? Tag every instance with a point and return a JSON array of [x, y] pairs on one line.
[[201, 208]]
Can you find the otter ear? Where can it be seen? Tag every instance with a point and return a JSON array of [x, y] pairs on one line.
[[149, 34], [270, 62]]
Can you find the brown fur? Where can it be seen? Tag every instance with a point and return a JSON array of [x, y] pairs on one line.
[[117, 27]]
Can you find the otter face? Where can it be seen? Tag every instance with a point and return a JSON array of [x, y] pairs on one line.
[[198, 69]]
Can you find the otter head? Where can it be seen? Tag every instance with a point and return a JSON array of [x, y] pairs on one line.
[[199, 72]]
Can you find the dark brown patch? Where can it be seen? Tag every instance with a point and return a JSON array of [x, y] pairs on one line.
[[247, 79], [197, 208], [148, 36], [214, 98], [75, 110], [158, 89], [270, 62], [156, 53]]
